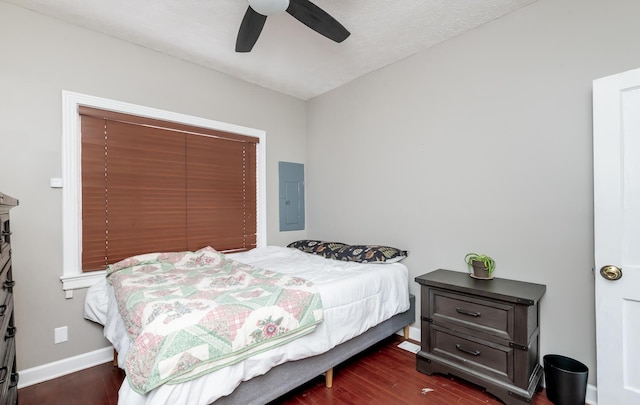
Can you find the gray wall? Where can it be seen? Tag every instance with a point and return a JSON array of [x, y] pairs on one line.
[[39, 57], [481, 144]]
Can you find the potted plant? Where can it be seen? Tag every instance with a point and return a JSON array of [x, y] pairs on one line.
[[482, 265]]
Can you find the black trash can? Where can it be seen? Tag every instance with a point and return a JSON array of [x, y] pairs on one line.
[[566, 380]]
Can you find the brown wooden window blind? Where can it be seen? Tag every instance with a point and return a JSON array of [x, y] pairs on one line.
[[155, 186]]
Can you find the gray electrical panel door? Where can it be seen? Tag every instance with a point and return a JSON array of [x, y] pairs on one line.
[[291, 182]]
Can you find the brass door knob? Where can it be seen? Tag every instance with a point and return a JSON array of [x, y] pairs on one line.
[[611, 272]]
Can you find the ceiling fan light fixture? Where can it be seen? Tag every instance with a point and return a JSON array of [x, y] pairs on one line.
[[302, 10], [269, 7]]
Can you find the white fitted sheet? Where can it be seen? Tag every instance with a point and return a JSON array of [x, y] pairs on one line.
[[355, 297]]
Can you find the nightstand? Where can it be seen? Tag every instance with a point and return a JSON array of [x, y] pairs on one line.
[[483, 331]]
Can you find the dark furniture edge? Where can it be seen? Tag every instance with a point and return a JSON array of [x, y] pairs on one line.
[[8, 200], [519, 292], [500, 389]]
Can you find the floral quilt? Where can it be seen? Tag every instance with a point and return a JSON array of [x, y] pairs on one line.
[[189, 313]]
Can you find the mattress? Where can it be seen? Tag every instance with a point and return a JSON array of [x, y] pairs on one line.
[[355, 296]]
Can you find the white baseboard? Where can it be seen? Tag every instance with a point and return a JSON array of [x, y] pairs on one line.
[[592, 394], [62, 367], [414, 333]]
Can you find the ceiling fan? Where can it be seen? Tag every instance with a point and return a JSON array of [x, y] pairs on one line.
[[303, 10]]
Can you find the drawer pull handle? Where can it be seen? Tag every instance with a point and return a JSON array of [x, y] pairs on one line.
[[14, 380], [467, 312], [8, 285], [11, 333], [462, 349]]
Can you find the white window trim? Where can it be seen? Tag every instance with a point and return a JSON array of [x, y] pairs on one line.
[[73, 277]]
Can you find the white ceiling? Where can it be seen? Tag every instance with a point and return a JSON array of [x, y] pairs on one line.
[[288, 57]]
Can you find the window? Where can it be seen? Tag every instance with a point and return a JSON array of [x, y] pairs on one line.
[[178, 198], [154, 186]]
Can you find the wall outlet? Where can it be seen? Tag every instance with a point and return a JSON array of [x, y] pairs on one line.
[[60, 335]]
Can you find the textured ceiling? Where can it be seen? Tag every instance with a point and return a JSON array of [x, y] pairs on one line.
[[288, 57]]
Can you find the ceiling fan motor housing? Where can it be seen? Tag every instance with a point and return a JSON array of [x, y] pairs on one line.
[[302, 10], [269, 7]]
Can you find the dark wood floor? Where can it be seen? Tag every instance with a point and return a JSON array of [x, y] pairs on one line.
[[382, 375]]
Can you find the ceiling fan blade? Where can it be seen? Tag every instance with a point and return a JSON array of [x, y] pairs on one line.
[[250, 30], [317, 19]]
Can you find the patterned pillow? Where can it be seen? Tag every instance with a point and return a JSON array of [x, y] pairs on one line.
[[371, 254], [318, 247]]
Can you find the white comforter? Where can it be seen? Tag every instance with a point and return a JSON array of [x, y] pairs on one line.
[[355, 297]]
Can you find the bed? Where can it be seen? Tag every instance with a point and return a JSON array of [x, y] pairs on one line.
[[363, 303]]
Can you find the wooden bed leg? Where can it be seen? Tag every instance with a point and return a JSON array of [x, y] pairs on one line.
[[406, 332], [328, 378], [115, 358]]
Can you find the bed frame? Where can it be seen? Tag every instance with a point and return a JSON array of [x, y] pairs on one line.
[[288, 376]]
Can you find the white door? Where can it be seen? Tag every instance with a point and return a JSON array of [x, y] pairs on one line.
[[616, 146]]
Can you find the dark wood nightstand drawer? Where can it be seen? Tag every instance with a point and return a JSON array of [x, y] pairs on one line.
[[476, 354], [4, 259], [6, 284], [5, 233], [8, 375], [7, 330], [462, 312]]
